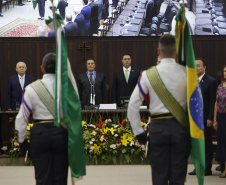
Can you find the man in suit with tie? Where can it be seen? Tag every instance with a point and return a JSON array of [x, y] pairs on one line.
[[208, 87], [124, 81], [92, 86], [16, 85]]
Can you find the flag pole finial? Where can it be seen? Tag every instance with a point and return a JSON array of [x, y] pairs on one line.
[[53, 8], [183, 3]]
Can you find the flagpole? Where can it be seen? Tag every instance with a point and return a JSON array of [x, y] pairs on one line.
[[53, 8]]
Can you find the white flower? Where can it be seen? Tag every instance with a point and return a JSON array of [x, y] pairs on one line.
[[113, 146], [131, 144], [91, 125], [93, 139], [102, 138], [116, 135], [116, 126], [91, 142], [123, 151], [92, 148], [94, 133]]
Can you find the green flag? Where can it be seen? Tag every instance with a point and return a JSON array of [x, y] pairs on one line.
[[67, 104], [185, 56]]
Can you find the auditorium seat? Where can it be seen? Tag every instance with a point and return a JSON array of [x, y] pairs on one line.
[[166, 25]]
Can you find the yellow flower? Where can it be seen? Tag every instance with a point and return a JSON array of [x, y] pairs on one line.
[[130, 138], [124, 142], [124, 136], [142, 123], [112, 130], [84, 123], [105, 130], [96, 147]]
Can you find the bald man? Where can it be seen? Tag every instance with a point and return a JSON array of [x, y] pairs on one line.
[[16, 85]]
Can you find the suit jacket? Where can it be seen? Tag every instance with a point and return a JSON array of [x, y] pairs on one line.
[[120, 87], [71, 29], [209, 87], [94, 22], [51, 33], [84, 88], [14, 90], [80, 20], [86, 11]]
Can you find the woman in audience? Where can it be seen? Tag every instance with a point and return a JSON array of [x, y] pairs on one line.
[[220, 121]]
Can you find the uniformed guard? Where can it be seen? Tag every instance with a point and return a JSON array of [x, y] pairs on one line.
[[169, 138], [48, 143]]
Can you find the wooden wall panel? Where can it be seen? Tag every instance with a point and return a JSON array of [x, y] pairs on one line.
[[107, 52]]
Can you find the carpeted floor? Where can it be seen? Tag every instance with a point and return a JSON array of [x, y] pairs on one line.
[[22, 28]]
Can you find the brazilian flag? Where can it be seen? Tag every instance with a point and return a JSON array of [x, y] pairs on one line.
[[185, 56]]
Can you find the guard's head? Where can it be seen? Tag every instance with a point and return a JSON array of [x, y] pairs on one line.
[[90, 65], [167, 46], [49, 63]]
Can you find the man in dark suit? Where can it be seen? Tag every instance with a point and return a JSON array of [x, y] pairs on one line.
[[124, 81], [86, 11], [94, 22], [115, 3], [208, 86], [92, 86], [80, 20], [71, 28], [62, 6], [16, 85], [20, 3]]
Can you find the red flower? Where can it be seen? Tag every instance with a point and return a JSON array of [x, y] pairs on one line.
[[122, 123], [101, 123]]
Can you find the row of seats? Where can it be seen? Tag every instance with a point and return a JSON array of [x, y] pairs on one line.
[[210, 17], [160, 23], [107, 24]]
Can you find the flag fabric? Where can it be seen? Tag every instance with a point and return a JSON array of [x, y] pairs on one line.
[[34, 3], [67, 104], [185, 56]]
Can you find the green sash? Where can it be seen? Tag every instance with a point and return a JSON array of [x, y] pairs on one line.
[[46, 98], [44, 95], [166, 97]]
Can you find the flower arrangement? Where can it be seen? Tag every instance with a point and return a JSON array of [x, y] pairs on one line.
[[14, 149], [107, 143]]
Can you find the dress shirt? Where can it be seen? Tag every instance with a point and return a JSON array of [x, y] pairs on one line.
[[124, 70], [22, 81], [93, 76], [200, 78], [39, 110], [174, 77]]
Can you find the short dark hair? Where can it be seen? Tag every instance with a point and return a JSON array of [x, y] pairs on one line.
[[85, 2], [49, 62], [125, 55], [90, 59], [222, 73], [167, 45], [203, 60]]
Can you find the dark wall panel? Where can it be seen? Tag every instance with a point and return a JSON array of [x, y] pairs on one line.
[[107, 52]]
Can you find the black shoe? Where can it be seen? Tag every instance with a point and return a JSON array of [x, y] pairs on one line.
[[21, 4], [208, 173], [192, 173], [1, 15]]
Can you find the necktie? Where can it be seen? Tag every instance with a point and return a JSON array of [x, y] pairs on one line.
[[91, 78], [126, 75]]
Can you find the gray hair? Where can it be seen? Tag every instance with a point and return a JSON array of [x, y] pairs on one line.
[[21, 62], [41, 32], [69, 17], [77, 9]]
